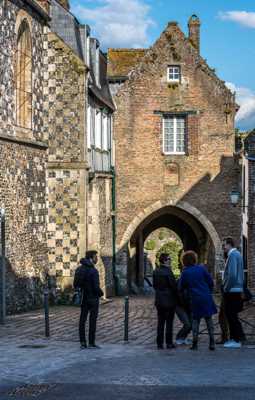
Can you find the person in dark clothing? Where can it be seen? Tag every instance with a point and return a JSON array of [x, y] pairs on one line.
[[233, 287], [222, 319], [165, 287], [183, 312], [87, 279], [196, 279]]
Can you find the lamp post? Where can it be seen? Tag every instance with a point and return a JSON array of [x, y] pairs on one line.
[[234, 197]]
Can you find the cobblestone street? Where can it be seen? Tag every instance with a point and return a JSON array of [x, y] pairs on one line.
[[64, 321], [31, 366]]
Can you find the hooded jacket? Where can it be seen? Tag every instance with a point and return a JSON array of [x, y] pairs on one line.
[[91, 290]]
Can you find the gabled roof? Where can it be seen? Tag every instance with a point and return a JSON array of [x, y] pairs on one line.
[[122, 61]]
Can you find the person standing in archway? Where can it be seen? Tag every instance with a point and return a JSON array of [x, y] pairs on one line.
[[199, 284], [166, 295], [233, 286]]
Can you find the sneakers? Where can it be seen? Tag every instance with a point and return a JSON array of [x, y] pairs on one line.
[[232, 344], [179, 342]]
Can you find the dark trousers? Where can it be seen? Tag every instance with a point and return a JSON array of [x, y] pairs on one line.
[[165, 325], [233, 306], [223, 322], [90, 308], [186, 320], [210, 329]]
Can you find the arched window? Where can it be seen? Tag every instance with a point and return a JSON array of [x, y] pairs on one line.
[[24, 76]]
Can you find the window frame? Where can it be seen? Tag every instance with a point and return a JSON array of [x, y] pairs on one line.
[[175, 117], [24, 77], [168, 74]]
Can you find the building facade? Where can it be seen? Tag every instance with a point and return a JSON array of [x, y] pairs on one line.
[[247, 205], [23, 149], [56, 149], [174, 133], [79, 107]]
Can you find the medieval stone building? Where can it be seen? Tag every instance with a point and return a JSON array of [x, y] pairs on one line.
[[174, 133], [78, 105], [56, 149], [23, 149]]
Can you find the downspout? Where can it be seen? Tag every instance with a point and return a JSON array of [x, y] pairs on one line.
[[114, 275]]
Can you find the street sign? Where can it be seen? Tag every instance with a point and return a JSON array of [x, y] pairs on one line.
[[2, 268]]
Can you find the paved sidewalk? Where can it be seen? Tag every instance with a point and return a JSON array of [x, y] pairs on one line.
[[124, 372], [64, 323]]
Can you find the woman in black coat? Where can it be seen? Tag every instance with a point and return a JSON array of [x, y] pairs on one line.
[[166, 296]]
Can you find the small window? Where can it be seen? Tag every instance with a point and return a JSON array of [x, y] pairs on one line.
[[89, 120], [105, 133], [98, 130], [174, 128], [174, 74]]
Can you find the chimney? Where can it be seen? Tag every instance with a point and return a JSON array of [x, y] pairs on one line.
[[194, 31]]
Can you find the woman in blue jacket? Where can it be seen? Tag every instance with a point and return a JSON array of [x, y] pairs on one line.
[[199, 284]]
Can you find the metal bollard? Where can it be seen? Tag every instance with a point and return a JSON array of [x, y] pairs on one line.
[[126, 319], [46, 313]]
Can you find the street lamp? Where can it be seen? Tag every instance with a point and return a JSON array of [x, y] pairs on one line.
[[234, 197]]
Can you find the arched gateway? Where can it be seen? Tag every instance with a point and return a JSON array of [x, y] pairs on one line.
[[194, 229], [174, 135]]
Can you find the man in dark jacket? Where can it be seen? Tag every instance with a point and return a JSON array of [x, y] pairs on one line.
[[87, 279], [165, 300]]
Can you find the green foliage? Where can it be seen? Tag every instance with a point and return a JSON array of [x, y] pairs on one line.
[[172, 248], [161, 235], [150, 244]]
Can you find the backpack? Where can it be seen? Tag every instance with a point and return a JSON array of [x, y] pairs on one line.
[[79, 277]]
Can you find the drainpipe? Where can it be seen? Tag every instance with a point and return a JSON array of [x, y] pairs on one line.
[[115, 277]]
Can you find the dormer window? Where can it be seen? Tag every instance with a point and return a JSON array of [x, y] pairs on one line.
[[174, 73]]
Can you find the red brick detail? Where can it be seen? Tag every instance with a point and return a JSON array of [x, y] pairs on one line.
[[192, 134]]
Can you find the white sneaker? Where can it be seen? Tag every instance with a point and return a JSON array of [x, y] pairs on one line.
[[188, 342], [180, 341], [232, 344]]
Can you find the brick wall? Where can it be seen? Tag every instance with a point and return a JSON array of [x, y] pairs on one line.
[[207, 172]]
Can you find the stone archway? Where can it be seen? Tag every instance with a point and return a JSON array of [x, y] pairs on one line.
[[194, 229]]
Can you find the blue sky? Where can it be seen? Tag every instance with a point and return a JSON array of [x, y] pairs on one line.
[[227, 35]]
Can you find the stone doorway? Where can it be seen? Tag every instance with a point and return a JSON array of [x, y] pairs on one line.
[[191, 231]]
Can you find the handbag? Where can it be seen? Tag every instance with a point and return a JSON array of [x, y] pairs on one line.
[[77, 297]]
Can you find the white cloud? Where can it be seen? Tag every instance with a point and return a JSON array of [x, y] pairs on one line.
[[242, 17], [245, 97], [118, 23]]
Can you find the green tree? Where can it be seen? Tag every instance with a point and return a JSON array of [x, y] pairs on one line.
[[150, 244], [161, 235], [172, 248]]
